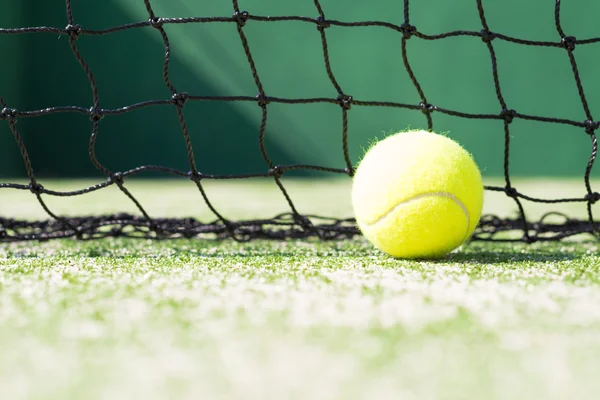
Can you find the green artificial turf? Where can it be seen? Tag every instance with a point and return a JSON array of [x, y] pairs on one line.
[[201, 319]]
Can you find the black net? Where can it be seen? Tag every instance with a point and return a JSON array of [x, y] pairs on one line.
[[292, 224]]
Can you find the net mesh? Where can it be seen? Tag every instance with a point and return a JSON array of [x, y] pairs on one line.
[[291, 224]]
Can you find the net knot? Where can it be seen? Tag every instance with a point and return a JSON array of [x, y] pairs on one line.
[[156, 22], [277, 171], [179, 99], [408, 30], [303, 221], [9, 114], [590, 126], [426, 108], [592, 198], [345, 101], [74, 30], [241, 17], [117, 178], [569, 42], [529, 239], [262, 100], [322, 23], [35, 188], [95, 114], [486, 36], [511, 191], [508, 115], [195, 176]]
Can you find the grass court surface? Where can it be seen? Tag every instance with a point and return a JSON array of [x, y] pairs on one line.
[[190, 319]]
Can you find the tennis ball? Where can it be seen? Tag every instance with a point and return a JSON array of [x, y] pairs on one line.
[[417, 194]]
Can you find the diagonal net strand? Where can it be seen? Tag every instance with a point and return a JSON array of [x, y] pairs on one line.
[[292, 224]]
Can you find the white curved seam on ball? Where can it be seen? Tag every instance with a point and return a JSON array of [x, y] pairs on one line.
[[447, 195]]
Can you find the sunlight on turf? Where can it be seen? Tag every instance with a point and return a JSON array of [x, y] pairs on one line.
[[267, 320], [192, 319]]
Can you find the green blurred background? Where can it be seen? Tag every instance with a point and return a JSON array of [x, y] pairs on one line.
[[38, 70]]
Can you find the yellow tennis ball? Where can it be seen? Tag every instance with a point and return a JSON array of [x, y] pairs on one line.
[[417, 194]]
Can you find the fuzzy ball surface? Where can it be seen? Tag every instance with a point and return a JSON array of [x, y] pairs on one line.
[[417, 194]]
